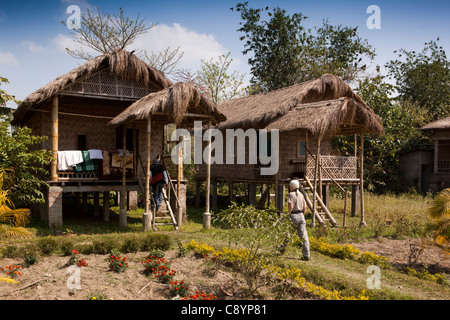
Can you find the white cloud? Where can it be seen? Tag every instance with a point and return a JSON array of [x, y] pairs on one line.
[[33, 46], [194, 45], [8, 59]]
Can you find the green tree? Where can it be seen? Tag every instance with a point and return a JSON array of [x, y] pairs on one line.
[[424, 78], [4, 98], [275, 45], [25, 163], [222, 84], [285, 53], [337, 50], [401, 120]]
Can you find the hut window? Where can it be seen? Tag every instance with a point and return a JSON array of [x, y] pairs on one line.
[[119, 141], [82, 142], [301, 149]]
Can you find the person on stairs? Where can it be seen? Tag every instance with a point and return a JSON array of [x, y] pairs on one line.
[[159, 180]]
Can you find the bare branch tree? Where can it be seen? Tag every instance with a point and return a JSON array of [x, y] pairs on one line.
[[165, 60], [105, 33]]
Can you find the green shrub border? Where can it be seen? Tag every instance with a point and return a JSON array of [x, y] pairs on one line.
[[103, 244]]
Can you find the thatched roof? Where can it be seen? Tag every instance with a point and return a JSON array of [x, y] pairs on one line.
[[120, 62], [442, 124], [172, 103], [303, 106]]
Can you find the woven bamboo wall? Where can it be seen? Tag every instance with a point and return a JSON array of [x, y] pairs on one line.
[[288, 144]]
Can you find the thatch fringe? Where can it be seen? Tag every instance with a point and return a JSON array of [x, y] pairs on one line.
[[329, 118], [120, 62], [260, 111], [174, 102], [442, 124]]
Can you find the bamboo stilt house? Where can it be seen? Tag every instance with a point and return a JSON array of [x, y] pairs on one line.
[[440, 178], [181, 104], [74, 111], [306, 115]]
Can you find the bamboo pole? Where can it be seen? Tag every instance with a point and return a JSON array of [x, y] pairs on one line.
[[316, 168], [361, 176], [147, 215], [207, 214], [54, 116], [179, 178], [123, 195]]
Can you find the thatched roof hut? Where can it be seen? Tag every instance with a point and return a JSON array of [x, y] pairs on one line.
[[323, 106], [176, 104], [121, 63], [442, 124]]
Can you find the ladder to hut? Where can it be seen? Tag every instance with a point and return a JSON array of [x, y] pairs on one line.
[[320, 210], [165, 213]]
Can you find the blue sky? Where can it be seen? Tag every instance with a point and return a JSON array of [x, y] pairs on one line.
[[32, 38]]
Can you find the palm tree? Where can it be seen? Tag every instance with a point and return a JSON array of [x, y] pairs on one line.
[[12, 221], [440, 212]]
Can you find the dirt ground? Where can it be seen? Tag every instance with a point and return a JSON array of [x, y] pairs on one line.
[[47, 280], [399, 251]]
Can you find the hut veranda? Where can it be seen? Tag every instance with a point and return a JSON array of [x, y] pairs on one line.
[[305, 117], [105, 121]]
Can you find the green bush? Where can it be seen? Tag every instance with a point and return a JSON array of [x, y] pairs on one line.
[[66, 246], [130, 244], [30, 255], [47, 245], [105, 246], [151, 241]]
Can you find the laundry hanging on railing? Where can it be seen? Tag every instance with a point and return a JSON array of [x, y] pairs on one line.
[[88, 164], [68, 159]]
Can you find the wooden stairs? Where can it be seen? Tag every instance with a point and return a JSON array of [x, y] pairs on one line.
[[321, 212]]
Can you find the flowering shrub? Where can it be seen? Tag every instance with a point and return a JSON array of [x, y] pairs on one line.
[[164, 275], [76, 259], [100, 295], [200, 295], [153, 263], [291, 274], [117, 263], [13, 271], [82, 263], [424, 274], [345, 251], [178, 288]]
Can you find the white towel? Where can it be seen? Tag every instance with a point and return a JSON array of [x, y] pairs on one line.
[[95, 154], [68, 159]]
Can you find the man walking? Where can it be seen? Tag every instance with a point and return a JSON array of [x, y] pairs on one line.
[[297, 209]]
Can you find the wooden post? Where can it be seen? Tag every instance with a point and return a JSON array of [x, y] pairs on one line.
[[316, 168], [345, 208], [207, 214], [147, 215], [54, 116], [123, 194], [179, 178], [361, 177], [96, 204], [106, 195]]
